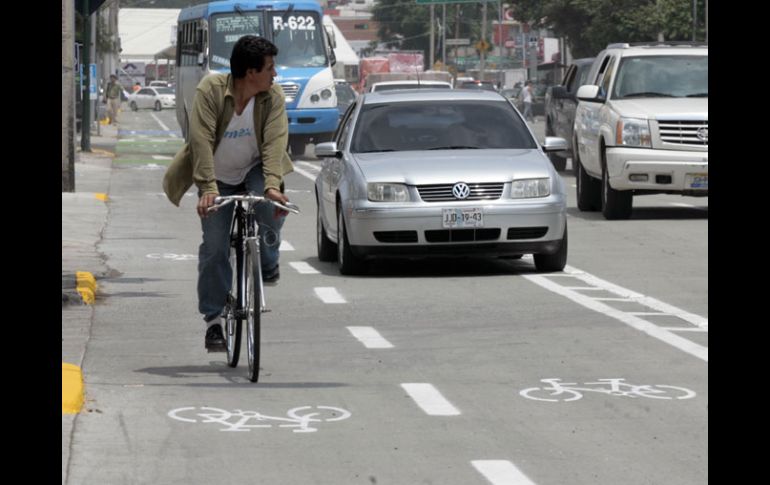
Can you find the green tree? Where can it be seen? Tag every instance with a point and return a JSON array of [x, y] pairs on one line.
[[589, 25]]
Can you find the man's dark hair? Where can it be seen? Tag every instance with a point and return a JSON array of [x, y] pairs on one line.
[[249, 53]]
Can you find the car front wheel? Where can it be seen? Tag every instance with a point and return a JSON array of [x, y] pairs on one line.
[[133, 106], [556, 261], [158, 106], [349, 263]]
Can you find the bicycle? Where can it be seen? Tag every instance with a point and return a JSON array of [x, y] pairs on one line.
[[248, 301], [568, 391]]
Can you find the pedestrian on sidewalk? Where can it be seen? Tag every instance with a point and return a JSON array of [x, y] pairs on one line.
[[112, 98], [237, 143], [526, 96]]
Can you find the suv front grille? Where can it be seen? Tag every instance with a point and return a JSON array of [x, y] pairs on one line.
[[290, 90], [443, 192], [684, 132]]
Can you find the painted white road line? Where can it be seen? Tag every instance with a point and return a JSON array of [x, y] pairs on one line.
[[685, 329], [650, 329], [303, 268], [370, 337], [162, 157], [647, 301], [329, 295], [501, 472], [689, 206], [285, 246], [430, 400], [165, 128], [305, 174]]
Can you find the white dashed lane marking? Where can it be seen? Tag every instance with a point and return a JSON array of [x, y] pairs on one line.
[[303, 268], [501, 472], [430, 399], [370, 337], [329, 295], [285, 246]]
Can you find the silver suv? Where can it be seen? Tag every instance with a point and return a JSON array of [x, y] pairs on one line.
[[641, 125]]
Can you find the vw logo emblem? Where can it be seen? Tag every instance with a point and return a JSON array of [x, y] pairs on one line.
[[461, 190], [703, 134]]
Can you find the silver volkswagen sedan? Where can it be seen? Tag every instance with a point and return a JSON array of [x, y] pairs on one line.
[[438, 172]]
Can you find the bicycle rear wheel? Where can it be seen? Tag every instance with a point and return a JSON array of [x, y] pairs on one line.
[[253, 273], [232, 322]]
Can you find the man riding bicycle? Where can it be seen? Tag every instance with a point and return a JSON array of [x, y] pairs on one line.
[[238, 134]]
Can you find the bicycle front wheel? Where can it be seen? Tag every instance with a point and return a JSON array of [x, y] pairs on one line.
[[232, 321], [253, 308]]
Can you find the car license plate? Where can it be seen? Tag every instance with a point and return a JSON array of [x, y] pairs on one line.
[[471, 217], [697, 181]]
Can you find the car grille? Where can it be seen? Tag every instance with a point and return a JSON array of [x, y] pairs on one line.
[[526, 232], [684, 132], [443, 192], [396, 236], [462, 235], [290, 90]]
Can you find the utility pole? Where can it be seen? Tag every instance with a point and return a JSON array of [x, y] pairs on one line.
[[432, 42], [68, 96], [85, 125], [694, 19], [483, 40]]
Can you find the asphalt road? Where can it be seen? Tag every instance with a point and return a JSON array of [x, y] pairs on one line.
[[420, 372]]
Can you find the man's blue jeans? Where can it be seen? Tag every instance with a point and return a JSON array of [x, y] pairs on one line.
[[215, 275]]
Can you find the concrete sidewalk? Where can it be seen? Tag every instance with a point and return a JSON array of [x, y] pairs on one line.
[[84, 215]]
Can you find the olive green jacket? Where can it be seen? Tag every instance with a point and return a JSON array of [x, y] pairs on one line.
[[212, 111]]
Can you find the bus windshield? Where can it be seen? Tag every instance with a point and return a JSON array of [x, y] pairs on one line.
[[226, 29], [297, 34]]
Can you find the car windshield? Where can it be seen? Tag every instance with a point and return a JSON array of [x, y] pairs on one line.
[[440, 125], [164, 90], [662, 76]]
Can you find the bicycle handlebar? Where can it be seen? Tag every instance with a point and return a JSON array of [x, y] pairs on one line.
[[227, 199]]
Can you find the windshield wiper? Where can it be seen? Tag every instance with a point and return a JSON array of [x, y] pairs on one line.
[[647, 94], [248, 19], [454, 147], [698, 95]]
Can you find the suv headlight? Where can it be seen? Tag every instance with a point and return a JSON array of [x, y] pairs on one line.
[[633, 132], [378, 192], [525, 189]]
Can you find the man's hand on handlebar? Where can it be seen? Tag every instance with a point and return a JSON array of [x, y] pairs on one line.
[[206, 201], [278, 196]]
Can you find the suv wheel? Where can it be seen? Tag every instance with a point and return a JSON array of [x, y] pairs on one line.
[[616, 204]]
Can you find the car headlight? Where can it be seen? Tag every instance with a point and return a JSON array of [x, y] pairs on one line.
[[633, 132], [525, 189], [378, 192]]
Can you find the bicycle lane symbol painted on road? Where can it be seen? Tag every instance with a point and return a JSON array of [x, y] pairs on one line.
[[299, 418], [557, 391]]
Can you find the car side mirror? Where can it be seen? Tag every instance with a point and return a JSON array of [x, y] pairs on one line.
[[588, 92], [328, 150], [554, 144], [559, 92]]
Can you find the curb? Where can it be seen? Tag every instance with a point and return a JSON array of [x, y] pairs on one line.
[[72, 393], [79, 288]]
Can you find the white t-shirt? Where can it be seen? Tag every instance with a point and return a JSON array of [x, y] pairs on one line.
[[237, 152], [527, 95]]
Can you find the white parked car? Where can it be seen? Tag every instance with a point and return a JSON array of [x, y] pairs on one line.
[[641, 126], [152, 97]]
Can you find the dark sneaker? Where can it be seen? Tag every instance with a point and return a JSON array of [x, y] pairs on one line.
[[272, 275], [215, 339]]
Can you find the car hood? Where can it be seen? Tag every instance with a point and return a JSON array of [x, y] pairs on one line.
[[663, 108], [451, 166]]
